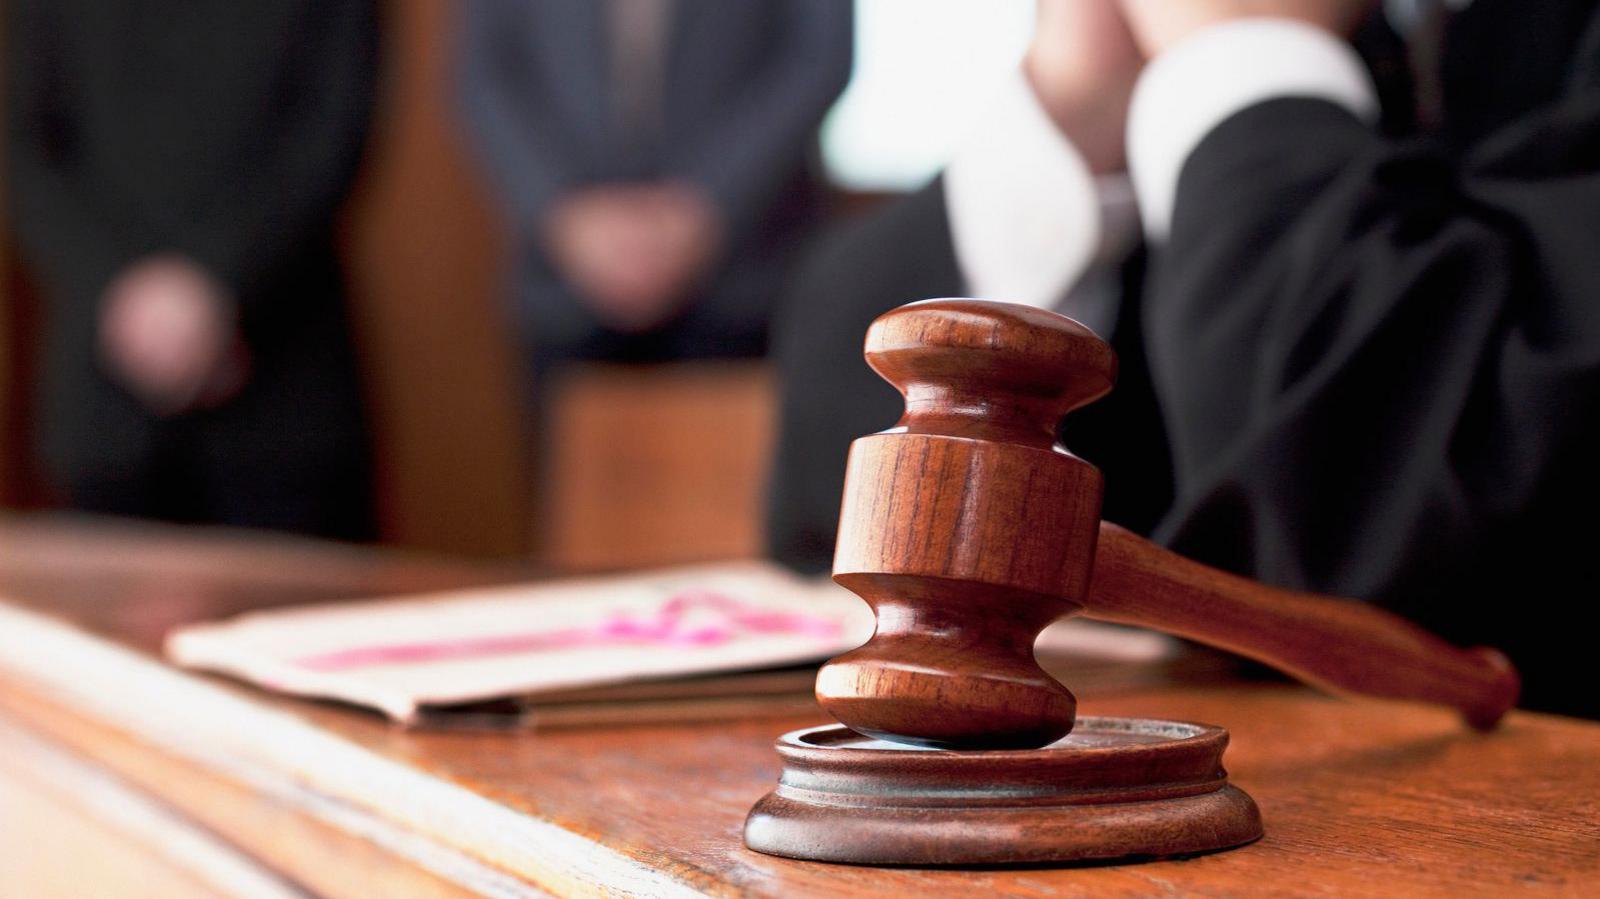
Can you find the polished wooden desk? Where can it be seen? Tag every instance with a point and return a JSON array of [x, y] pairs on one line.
[[116, 768]]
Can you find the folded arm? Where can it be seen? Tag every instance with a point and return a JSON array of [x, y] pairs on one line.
[[1377, 359]]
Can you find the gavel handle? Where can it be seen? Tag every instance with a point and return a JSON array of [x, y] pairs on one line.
[[1330, 643]]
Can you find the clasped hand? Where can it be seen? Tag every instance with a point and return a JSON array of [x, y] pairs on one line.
[[634, 252], [168, 332], [1086, 55]]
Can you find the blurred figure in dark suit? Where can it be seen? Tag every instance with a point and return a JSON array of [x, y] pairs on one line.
[[651, 158], [174, 173]]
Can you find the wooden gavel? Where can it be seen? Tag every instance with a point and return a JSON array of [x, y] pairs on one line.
[[968, 529]]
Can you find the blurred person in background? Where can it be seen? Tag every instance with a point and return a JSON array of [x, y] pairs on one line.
[[1370, 314], [175, 169], [652, 161]]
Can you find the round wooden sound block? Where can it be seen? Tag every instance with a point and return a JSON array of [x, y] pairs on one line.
[[1114, 788]]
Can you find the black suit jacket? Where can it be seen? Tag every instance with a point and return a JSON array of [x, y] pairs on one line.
[[226, 132], [1379, 354], [743, 86]]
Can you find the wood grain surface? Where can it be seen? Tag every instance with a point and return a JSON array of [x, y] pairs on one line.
[[1126, 789], [70, 830], [651, 465], [1363, 797]]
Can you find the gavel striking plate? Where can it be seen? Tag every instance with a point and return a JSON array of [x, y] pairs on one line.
[[968, 528]]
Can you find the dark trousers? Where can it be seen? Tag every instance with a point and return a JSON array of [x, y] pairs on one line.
[[194, 474]]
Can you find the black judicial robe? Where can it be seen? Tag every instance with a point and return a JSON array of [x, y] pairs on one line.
[[1378, 355], [1374, 353], [862, 269]]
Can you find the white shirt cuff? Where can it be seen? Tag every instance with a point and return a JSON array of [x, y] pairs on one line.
[[1198, 84], [1024, 209]]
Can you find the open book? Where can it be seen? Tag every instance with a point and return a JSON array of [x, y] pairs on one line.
[[722, 639]]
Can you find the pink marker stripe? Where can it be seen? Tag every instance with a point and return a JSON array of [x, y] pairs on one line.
[[731, 619]]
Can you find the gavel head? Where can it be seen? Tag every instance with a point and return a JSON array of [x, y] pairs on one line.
[[967, 527]]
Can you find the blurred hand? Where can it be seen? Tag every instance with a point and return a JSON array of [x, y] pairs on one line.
[[1082, 65], [168, 332], [635, 252], [1159, 24], [684, 236]]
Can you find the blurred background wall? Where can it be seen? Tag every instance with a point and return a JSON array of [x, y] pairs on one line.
[[440, 371], [646, 465]]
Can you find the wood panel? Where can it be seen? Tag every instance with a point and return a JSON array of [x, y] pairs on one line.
[[651, 465], [440, 362], [10, 420]]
